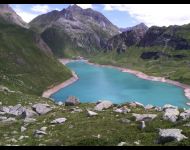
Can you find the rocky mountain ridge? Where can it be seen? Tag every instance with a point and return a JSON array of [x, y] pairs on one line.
[[131, 37], [74, 28], [8, 14], [172, 37]]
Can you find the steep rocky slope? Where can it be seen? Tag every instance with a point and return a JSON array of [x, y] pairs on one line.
[[7, 13], [74, 28], [173, 36], [130, 37]]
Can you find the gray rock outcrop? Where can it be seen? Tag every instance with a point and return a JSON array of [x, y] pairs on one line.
[[28, 113], [122, 110], [72, 101], [29, 120], [147, 107], [39, 133], [91, 113], [166, 106], [171, 114], [185, 115], [41, 109], [144, 117], [168, 135], [103, 105], [59, 121]]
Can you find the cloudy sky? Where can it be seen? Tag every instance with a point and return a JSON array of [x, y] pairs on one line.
[[122, 15]]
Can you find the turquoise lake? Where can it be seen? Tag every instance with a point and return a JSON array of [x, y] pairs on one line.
[[103, 83]]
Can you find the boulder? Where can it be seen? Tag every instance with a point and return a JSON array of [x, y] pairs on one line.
[[17, 110], [59, 121], [103, 105], [39, 133], [122, 110], [132, 104], [158, 109], [185, 115], [4, 109], [147, 107], [22, 129], [144, 117], [60, 103], [28, 113], [171, 114], [43, 129], [139, 104], [137, 142], [168, 135], [29, 120], [91, 113], [135, 104], [72, 101], [118, 110], [166, 106], [41, 109], [121, 143], [4, 89]]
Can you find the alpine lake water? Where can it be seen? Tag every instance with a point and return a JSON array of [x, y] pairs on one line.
[[104, 83]]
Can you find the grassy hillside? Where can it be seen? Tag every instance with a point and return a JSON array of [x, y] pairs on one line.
[[60, 43], [172, 68], [81, 130], [25, 67]]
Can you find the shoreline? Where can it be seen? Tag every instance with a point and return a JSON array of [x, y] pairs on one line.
[[139, 74], [49, 92], [144, 76]]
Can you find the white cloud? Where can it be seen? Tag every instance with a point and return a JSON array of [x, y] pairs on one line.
[[155, 14], [26, 16], [85, 6], [40, 8]]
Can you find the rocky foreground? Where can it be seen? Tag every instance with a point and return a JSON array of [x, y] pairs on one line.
[[103, 123]]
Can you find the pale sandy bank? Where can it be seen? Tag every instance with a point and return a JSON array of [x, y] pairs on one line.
[[56, 88]]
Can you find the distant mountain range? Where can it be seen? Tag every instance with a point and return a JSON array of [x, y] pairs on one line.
[[87, 31], [75, 31]]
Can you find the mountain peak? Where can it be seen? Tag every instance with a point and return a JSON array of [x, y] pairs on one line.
[[74, 7], [141, 26]]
